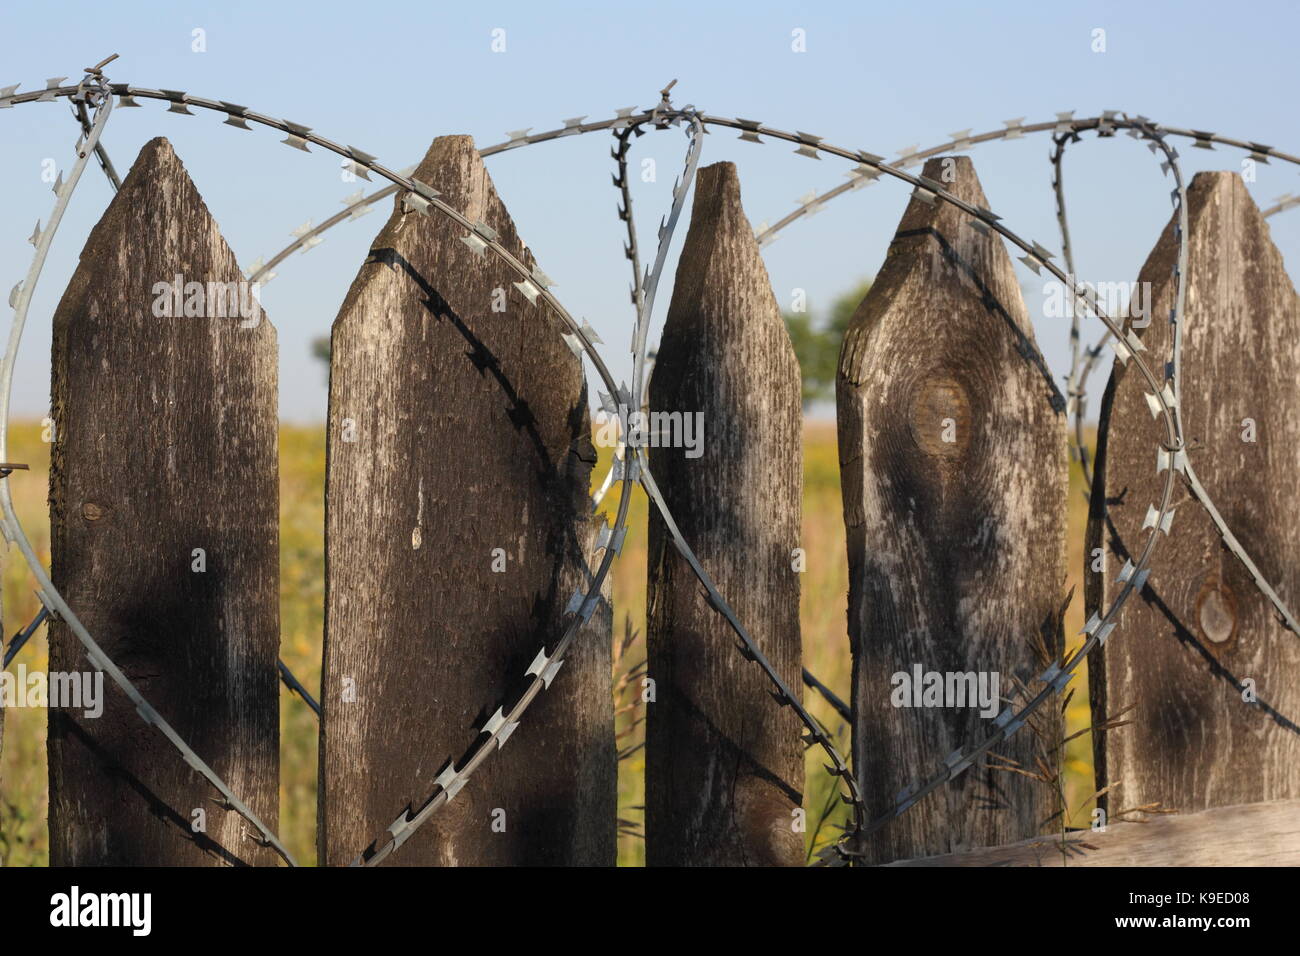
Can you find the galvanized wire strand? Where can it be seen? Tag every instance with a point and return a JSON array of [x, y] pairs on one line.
[[23, 636]]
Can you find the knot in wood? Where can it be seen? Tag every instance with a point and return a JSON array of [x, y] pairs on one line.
[[1216, 615], [939, 417]]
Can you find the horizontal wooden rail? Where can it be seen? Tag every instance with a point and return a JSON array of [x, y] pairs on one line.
[[1249, 834]]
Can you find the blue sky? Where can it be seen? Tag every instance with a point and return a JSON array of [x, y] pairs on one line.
[[388, 78]]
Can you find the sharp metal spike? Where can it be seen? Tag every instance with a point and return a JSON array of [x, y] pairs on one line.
[[506, 731], [477, 245], [1151, 518], [1122, 354], [447, 779], [539, 664], [414, 203], [528, 290], [573, 342], [1125, 572], [495, 722], [1104, 633]]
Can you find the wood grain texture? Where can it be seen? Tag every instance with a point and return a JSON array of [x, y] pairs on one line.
[[1201, 627], [165, 441], [956, 548], [724, 764], [1254, 834], [472, 434]]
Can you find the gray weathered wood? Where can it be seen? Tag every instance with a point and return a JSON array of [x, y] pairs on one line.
[[472, 434], [1253, 834], [956, 548], [165, 442], [724, 765], [1201, 627]]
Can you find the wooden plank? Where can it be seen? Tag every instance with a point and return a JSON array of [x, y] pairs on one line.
[[724, 765], [471, 434], [1254, 834], [954, 469], [165, 442], [1201, 627]]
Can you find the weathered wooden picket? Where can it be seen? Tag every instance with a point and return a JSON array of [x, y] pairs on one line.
[[458, 523]]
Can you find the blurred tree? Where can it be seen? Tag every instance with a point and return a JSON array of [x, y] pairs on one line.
[[817, 342], [320, 348]]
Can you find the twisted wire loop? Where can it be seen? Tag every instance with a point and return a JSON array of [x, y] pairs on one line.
[[422, 198], [1155, 136]]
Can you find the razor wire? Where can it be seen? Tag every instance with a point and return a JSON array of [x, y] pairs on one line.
[[421, 197], [1064, 128]]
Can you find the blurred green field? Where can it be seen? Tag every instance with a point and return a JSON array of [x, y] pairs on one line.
[[23, 779]]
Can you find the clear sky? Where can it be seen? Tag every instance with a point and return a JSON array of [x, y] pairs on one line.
[[389, 77]]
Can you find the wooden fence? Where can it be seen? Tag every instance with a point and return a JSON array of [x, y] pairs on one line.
[[458, 523]]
